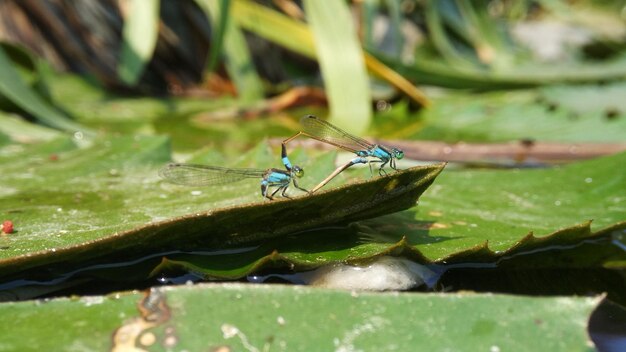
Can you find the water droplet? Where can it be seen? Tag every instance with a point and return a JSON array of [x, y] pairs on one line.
[[557, 203], [588, 180], [280, 320], [78, 135]]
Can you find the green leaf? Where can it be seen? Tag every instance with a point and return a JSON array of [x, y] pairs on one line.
[[296, 36], [21, 131], [465, 217], [274, 26], [15, 89], [205, 317], [432, 72], [106, 199], [549, 114], [251, 317], [217, 32], [140, 34], [342, 65]]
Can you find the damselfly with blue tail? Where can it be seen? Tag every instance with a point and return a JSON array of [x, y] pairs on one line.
[[367, 153], [205, 175]]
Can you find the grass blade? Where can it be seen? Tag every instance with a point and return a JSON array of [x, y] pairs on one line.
[[15, 89], [140, 34], [296, 36], [342, 65]]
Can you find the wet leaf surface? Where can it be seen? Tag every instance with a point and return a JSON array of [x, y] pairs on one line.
[[523, 218], [275, 317], [106, 199]]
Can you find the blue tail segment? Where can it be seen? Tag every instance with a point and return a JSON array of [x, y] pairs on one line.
[[285, 158]]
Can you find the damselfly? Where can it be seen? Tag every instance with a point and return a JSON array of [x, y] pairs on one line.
[[367, 152], [205, 175]]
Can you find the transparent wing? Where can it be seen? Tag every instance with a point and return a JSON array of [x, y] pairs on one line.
[[334, 135], [204, 175]]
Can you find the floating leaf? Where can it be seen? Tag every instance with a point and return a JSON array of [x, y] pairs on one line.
[[205, 317], [106, 199], [466, 217], [532, 114]]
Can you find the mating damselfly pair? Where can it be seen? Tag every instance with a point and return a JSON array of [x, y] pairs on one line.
[[366, 153]]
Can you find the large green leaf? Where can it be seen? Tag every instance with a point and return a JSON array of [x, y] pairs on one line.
[[255, 318], [466, 217], [107, 199]]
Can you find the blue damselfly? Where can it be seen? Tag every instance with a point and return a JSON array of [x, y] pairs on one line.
[[205, 175], [367, 153]]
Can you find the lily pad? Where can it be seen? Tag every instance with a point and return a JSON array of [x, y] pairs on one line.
[[213, 317], [106, 199], [522, 218], [549, 114]]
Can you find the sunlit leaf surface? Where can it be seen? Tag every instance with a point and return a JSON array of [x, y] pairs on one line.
[[282, 318], [106, 199], [467, 217]]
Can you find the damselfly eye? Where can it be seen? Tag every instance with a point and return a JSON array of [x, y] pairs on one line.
[[398, 154], [298, 171]]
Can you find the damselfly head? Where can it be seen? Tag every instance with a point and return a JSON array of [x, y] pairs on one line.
[[297, 171], [397, 153]]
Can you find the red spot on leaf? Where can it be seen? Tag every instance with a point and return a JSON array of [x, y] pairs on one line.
[[7, 226]]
